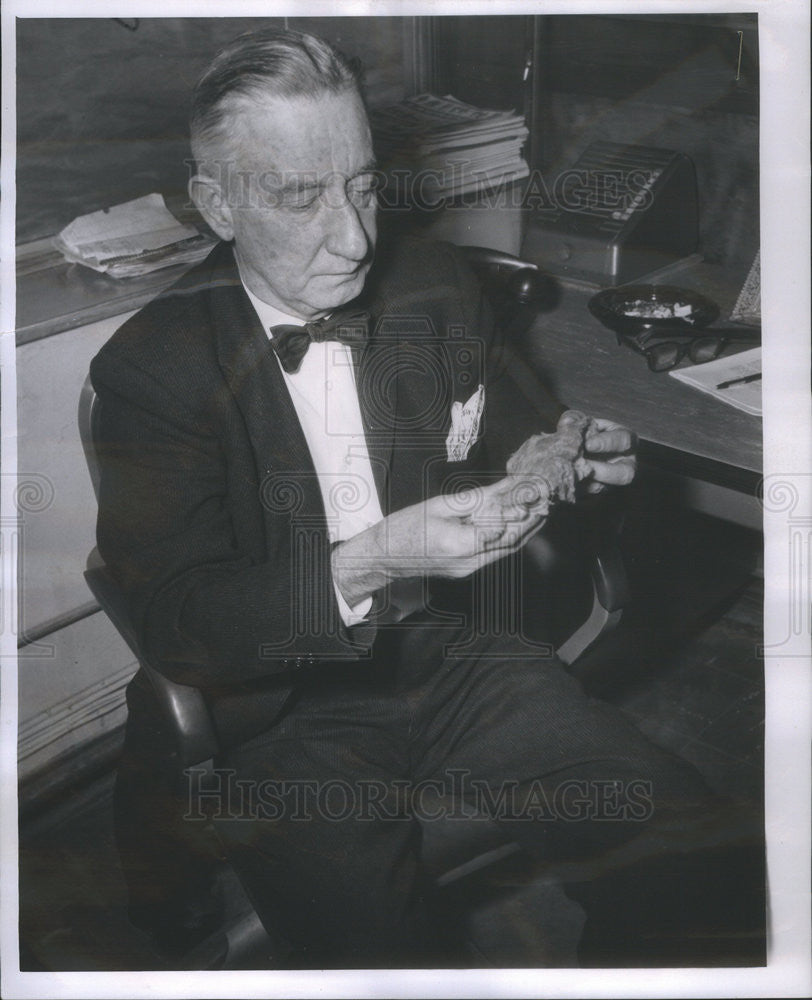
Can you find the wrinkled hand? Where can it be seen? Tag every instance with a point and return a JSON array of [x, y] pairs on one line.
[[610, 450], [440, 537]]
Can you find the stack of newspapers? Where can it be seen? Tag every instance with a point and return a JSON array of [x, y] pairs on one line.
[[437, 148]]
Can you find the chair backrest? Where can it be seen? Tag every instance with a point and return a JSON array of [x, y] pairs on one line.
[[89, 413]]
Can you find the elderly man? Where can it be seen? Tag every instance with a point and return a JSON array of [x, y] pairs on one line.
[[283, 513]]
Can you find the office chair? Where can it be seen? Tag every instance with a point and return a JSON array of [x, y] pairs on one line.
[[209, 938]]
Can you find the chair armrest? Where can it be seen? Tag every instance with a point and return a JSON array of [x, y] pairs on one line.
[[609, 578], [185, 706], [606, 516], [515, 287], [197, 742], [579, 549]]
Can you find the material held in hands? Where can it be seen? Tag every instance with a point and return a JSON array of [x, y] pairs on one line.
[[543, 471]]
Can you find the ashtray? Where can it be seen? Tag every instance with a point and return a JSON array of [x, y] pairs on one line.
[[634, 309]]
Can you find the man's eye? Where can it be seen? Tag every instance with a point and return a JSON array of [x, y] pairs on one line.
[[362, 194], [302, 202], [299, 199]]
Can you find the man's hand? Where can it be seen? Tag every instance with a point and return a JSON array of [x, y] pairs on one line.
[[609, 448], [454, 536], [438, 537]]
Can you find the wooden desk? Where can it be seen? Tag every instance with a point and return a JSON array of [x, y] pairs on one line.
[[54, 296], [712, 452]]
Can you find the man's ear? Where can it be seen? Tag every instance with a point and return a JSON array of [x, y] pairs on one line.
[[212, 204]]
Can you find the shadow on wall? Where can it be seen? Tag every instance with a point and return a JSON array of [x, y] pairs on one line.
[[102, 110]]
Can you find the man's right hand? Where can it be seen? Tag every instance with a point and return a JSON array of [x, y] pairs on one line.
[[441, 537]]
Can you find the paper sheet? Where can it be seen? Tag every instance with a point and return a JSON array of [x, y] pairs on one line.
[[706, 378]]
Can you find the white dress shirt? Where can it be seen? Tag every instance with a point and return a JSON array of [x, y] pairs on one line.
[[325, 397]]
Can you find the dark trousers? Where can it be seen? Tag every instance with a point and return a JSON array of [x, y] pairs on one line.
[[326, 815]]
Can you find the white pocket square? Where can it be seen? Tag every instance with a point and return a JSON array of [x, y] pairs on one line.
[[465, 418]]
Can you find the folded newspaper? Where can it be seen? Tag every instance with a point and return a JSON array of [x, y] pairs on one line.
[[133, 238]]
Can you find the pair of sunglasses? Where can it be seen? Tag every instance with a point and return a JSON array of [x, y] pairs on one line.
[[664, 356]]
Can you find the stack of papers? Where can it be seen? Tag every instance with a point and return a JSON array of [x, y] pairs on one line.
[[748, 304], [443, 147], [131, 239], [744, 395]]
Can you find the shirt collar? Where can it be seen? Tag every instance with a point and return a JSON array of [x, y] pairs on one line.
[[270, 316]]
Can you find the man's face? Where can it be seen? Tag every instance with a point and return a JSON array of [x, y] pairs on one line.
[[302, 214]]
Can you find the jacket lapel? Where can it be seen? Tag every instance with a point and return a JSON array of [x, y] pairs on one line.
[[285, 475], [394, 400], [376, 368], [404, 392]]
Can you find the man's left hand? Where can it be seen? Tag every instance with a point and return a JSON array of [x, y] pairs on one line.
[[610, 450]]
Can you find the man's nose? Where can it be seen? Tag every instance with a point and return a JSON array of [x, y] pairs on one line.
[[347, 236]]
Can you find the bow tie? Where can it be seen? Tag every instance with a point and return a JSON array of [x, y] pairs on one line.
[[291, 342]]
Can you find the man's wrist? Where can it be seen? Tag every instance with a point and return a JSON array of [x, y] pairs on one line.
[[356, 573]]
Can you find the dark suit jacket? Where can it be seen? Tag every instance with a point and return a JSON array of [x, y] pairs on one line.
[[210, 514]]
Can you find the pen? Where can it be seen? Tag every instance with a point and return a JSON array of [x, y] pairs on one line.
[[739, 381]]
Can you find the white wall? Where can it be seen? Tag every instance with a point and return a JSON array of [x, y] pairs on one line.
[[71, 681]]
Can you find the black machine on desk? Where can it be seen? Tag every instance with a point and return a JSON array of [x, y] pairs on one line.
[[618, 213]]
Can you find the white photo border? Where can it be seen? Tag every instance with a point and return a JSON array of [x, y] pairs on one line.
[[785, 204]]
